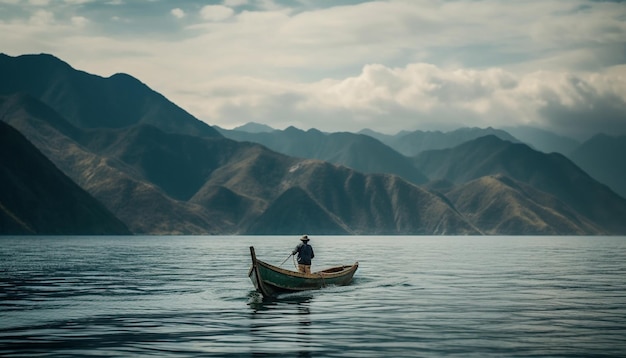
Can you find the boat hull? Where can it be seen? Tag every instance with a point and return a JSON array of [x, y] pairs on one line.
[[271, 280]]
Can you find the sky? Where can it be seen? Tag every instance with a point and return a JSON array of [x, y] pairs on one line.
[[339, 65]]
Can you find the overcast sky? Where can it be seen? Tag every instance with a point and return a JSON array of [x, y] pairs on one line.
[[348, 65]]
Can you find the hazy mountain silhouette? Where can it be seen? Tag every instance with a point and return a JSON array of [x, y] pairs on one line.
[[552, 173], [602, 157], [360, 152], [37, 198], [543, 140], [413, 143], [252, 127]]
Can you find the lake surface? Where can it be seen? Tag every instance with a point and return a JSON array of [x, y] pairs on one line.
[[412, 296]]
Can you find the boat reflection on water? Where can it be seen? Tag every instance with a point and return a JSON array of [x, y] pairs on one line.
[[260, 303], [280, 318], [281, 325]]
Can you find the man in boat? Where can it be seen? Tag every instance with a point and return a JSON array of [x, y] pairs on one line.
[[305, 255]]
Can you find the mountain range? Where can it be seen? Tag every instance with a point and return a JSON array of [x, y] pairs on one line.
[[602, 157], [159, 170], [360, 152], [36, 197]]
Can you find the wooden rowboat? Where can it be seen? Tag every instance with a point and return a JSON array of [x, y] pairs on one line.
[[271, 280]]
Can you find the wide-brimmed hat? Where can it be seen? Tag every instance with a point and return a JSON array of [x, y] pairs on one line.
[[304, 238]]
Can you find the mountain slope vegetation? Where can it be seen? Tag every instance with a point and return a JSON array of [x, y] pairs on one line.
[[37, 198], [360, 152], [552, 173], [150, 180], [161, 171]]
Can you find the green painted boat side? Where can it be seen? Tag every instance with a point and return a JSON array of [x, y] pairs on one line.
[[271, 280]]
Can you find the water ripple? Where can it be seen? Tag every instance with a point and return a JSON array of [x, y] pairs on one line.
[[412, 296]]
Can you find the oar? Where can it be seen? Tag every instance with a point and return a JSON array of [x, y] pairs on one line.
[[285, 260]]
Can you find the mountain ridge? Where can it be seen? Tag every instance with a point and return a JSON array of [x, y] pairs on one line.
[[37, 198], [360, 152], [602, 156], [91, 101], [164, 175], [551, 173], [247, 173]]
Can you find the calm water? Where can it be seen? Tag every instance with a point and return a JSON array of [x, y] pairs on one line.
[[412, 296]]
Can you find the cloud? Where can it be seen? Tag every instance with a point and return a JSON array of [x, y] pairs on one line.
[[79, 21], [423, 94], [178, 13], [581, 105], [41, 18], [387, 65], [216, 12]]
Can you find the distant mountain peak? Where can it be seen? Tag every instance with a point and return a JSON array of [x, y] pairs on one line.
[[42, 60], [254, 127], [90, 101], [293, 129], [315, 131], [120, 76]]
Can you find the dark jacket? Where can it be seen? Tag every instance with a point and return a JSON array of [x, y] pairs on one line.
[[305, 253]]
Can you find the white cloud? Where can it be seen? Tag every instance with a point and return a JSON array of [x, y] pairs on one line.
[[41, 18], [421, 94], [79, 21], [216, 12], [385, 65], [178, 13]]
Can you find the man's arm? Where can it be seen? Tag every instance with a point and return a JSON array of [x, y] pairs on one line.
[[297, 249]]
